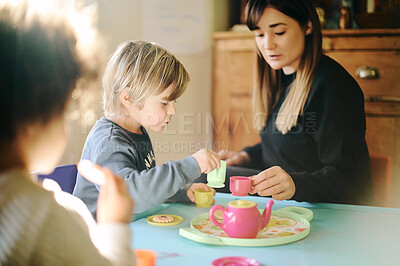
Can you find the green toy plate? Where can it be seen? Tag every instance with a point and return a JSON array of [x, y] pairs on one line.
[[286, 225]]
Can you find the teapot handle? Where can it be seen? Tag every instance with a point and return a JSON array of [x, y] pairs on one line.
[[211, 215]]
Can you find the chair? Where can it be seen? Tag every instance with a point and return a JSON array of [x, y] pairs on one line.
[[64, 175], [381, 174]]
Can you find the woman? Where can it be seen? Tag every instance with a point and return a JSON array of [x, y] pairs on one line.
[[39, 68], [309, 110]]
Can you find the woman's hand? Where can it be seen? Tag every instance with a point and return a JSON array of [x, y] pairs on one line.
[[234, 157], [274, 182], [207, 160], [114, 204], [190, 191]]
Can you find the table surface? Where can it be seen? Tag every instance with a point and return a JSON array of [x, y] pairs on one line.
[[340, 235]]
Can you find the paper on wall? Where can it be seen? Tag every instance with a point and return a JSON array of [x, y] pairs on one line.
[[177, 25]]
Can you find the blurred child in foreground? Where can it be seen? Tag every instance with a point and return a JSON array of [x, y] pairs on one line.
[[39, 68]]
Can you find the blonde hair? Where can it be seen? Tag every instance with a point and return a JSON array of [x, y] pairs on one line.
[[144, 69], [267, 83]]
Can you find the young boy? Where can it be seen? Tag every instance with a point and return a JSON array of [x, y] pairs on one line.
[[141, 83]]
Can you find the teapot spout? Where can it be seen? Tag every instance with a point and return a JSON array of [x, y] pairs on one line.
[[266, 215]]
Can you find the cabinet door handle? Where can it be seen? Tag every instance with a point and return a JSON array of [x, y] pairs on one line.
[[367, 72]]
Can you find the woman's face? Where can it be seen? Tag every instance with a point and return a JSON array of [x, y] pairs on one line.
[[280, 39]]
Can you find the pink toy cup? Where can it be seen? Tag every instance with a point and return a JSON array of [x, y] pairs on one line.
[[242, 219], [240, 185]]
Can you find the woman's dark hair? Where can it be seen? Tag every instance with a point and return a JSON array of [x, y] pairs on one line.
[[39, 68], [267, 80], [302, 11]]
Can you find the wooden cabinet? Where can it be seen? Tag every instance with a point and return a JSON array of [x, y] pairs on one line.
[[372, 57], [379, 49], [232, 89]]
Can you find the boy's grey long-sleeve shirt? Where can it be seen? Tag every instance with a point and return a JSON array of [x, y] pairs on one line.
[[131, 156]]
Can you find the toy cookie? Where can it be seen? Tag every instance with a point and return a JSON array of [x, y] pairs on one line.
[[163, 219]]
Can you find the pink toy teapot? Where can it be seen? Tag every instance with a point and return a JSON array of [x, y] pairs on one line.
[[242, 219]]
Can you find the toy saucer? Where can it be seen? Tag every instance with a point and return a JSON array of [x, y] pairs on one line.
[[177, 220], [237, 261], [215, 185]]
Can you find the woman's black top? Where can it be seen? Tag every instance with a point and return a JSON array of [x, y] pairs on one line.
[[325, 154]]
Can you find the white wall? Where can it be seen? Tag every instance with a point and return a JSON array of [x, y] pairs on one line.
[[121, 20]]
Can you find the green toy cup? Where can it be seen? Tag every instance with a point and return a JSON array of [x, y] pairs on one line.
[[216, 178]]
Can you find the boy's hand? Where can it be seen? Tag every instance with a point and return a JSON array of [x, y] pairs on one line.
[[114, 204], [207, 160], [234, 157], [190, 191]]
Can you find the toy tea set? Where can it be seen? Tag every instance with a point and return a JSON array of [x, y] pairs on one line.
[[243, 224]]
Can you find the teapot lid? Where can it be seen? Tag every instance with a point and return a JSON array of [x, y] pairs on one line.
[[242, 204]]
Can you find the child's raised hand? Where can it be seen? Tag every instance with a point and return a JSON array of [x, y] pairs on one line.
[[114, 204], [207, 160], [191, 189]]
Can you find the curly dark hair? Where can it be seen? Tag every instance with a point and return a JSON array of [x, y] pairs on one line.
[[39, 68]]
